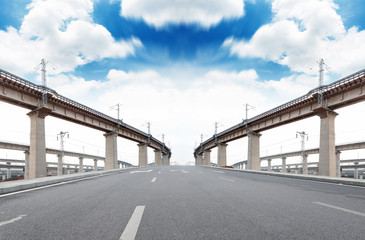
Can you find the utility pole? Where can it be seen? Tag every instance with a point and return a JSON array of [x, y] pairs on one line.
[[321, 65], [201, 138], [43, 66], [149, 128], [62, 151], [247, 108], [117, 107], [304, 157], [163, 138]]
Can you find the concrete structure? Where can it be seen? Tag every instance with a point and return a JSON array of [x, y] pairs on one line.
[[43, 101], [206, 160], [158, 160], [253, 153], [142, 157], [222, 155], [344, 92]]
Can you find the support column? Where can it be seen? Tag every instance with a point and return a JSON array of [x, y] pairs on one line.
[[199, 160], [222, 155], [111, 151], [283, 164], [338, 164], [327, 151], [269, 165], [26, 165], [59, 164], [253, 155], [245, 165], [165, 159], [8, 173], [37, 158], [81, 164], [95, 165], [142, 157], [356, 171], [206, 161], [158, 157], [305, 163]]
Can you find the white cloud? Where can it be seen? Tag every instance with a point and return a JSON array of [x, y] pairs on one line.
[[160, 13], [62, 32], [302, 32]]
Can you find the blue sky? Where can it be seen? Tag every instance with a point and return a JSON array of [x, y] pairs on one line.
[[182, 65]]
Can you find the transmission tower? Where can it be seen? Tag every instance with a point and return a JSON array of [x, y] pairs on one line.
[[62, 151]]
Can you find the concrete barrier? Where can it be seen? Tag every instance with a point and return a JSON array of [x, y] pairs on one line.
[[335, 180], [18, 185]]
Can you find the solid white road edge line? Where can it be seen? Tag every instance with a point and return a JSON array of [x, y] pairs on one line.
[[340, 208], [227, 179], [131, 229], [141, 171], [12, 220], [216, 171], [153, 179]]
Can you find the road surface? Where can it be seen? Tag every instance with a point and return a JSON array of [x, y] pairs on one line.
[[177, 202]]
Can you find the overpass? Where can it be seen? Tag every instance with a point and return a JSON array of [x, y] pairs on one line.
[[321, 102], [43, 101]]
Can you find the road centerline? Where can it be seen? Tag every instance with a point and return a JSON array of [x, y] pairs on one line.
[[227, 179], [340, 208], [131, 229], [12, 220]]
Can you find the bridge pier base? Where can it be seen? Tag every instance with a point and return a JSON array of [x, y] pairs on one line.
[[199, 160], [269, 165], [222, 155], [253, 155], [95, 165], [81, 164], [165, 160], [26, 165], [327, 150], [305, 163], [157, 157], [59, 164], [283, 164], [338, 164], [111, 151], [206, 161], [142, 157], [37, 159]]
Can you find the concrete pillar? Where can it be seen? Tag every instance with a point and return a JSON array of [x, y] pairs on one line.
[[37, 158], [269, 165], [305, 163], [165, 159], [158, 157], [26, 165], [283, 164], [168, 161], [81, 164], [222, 155], [142, 157], [95, 165], [206, 161], [199, 160], [111, 151], [245, 165], [327, 151], [8, 173], [356, 171], [253, 156], [338, 163], [59, 164]]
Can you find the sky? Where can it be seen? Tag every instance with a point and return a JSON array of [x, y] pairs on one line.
[[182, 65]]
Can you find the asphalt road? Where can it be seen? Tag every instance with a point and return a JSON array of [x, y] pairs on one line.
[[185, 203]]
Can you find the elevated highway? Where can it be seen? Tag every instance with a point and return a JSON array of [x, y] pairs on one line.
[[321, 102], [43, 101]]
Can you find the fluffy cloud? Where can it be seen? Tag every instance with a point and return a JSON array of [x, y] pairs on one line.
[[302, 32], [63, 32], [160, 13]]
